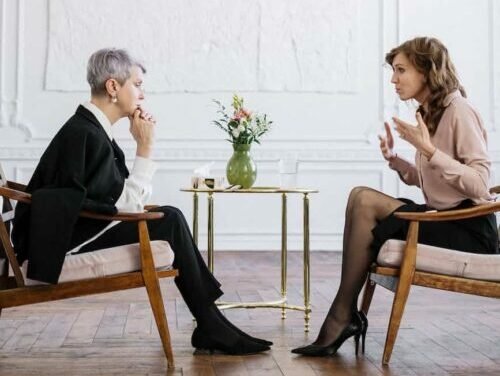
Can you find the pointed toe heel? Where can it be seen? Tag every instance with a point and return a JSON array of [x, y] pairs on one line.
[[352, 329], [314, 350]]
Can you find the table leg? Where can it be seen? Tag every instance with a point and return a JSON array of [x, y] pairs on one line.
[[195, 218], [307, 307], [283, 252], [210, 246]]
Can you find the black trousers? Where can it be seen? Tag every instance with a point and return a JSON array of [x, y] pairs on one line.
[[197, 285]]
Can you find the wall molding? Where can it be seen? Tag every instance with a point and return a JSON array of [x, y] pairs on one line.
[[3, 114], [179, 153], [11, 103], [494, 12], [176, 153], [491, 58]]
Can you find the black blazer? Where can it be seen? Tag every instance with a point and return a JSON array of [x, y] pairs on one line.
[[80, 169]]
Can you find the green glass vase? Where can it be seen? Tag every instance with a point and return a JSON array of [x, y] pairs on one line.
[[241, 169]]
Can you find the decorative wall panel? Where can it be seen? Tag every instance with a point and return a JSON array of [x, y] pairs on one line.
[[212, 45]]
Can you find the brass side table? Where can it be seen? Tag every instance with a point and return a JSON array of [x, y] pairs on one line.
[[281, 303]]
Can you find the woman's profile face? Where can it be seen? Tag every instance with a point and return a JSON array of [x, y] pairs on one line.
[[408, 82], [131, 94]]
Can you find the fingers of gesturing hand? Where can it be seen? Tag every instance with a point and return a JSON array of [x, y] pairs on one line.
[[422, 125], [387, 143], [390, 139], [417, 135], [383, 143], [405, 130], [383, 147]]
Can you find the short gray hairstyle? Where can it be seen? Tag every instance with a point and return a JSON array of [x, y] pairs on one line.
[[109, 63]]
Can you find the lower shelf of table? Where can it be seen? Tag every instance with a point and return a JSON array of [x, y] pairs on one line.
[[281, 303]]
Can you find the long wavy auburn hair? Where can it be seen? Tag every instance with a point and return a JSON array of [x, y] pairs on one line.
[[431, 58]]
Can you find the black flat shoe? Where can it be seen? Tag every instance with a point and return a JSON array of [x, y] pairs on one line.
[[241, 346], [241, 332], [352, 329]]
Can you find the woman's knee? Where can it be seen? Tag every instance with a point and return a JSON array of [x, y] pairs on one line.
[[363, 198], [374, 204], [355, 192], [171, 212]]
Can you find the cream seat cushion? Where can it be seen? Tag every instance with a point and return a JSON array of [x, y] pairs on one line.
[[109, 261], [443, 261]]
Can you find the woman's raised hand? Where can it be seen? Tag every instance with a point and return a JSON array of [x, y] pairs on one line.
[[387, 143], [417, 135], [142, 126]]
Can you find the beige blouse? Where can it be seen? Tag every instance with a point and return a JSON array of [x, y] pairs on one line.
[[460, 167]]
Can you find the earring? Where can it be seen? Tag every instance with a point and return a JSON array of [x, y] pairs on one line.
[[114, 99]]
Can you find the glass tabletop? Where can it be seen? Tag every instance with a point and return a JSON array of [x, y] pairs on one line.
[[250, 190]]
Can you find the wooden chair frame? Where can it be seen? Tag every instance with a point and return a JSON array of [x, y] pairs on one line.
[[399, 280], [14, 292]]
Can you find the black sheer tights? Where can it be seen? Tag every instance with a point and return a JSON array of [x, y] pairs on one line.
[[364, 208]]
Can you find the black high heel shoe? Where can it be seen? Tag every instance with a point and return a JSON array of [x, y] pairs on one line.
[[241, 346], [354, 328], [364, 327]]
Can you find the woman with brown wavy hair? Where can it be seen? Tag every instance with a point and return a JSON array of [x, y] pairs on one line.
[[452, 168]]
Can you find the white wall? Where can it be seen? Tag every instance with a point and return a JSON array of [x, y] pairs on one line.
[[315, 67]]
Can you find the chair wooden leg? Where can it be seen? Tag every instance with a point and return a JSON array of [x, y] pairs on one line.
[[407, 272], [154, 292], [156, 301], [367, 295], [398, 307]]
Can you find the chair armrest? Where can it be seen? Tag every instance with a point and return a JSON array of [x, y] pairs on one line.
[[16, 186], [122, 216], [448, 215], [15, 194], [125, 217]]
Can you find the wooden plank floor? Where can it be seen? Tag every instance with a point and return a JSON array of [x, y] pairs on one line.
[[114, 334]]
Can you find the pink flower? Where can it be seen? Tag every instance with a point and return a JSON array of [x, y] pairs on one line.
[[242, 113], [246, 112]]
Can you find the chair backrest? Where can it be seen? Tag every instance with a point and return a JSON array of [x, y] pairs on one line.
[[3, 183], [3, 178], [7, 254], [4, 265]]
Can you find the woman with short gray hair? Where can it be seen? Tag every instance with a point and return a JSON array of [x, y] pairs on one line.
[[84, 168], [109, 63]]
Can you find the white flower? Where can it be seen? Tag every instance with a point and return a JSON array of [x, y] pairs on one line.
[[236, 132], [240, 128]]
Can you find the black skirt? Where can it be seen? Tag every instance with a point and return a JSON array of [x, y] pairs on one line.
[[476, 235]]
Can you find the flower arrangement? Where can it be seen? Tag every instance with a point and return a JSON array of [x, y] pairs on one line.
[[242, 126]]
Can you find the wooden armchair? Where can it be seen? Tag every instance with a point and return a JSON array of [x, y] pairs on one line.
[[14, 290], [422, 265]]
